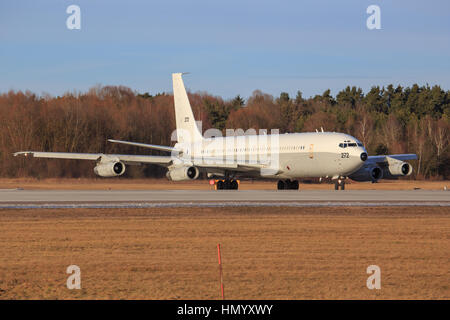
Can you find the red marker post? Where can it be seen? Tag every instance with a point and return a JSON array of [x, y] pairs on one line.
[[220, 271]]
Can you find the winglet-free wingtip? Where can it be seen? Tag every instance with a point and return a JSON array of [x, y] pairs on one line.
[[25, 153]]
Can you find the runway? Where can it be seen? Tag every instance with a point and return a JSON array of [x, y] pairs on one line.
[[17, 198]]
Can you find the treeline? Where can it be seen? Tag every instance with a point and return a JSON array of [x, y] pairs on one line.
[[387, 120]]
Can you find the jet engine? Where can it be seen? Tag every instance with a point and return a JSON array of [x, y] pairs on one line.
[[110, 169], [183, 173], [367, 173], [397, 169]]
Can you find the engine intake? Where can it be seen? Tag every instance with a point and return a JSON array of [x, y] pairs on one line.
[[371, 173], [183, 173], [396, 170], [110, 169]]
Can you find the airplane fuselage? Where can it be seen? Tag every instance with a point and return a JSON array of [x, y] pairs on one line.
[[294, 155]]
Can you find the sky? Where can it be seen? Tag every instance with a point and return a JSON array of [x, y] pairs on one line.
[[229, 47]]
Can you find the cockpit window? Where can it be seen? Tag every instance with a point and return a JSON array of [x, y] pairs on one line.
[[350, 144]]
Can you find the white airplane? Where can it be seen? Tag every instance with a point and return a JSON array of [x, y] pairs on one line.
[[285, 157]]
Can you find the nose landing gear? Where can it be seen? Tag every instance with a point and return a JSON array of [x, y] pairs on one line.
[[339, 183]]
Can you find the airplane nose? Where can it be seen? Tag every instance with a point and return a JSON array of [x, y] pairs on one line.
[[363, 156]]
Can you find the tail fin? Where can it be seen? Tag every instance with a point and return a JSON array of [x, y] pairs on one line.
[[187, 130]]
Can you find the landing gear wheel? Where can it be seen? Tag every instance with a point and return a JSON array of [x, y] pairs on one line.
[[287, 185], [227, 184], [294, 185]]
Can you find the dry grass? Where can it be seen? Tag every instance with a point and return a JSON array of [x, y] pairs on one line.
[[152, 184], [268, 253]]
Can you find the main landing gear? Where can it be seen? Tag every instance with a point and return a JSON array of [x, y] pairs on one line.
[[339, 183], [227, 184], [287, 185]]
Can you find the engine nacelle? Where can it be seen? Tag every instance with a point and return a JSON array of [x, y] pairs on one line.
[[110, 169], [183, 173], [397, 169], [371, 173]]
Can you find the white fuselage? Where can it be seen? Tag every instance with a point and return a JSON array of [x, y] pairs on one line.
[[295, 155]]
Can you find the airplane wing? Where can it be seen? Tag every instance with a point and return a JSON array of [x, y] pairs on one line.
[[126, 158], [386, 158], [206, 163]]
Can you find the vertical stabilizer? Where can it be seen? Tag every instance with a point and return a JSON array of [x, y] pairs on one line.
[[187, 130]]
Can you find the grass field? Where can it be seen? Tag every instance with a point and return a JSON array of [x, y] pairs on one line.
[[164, 184], [268, 253]]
